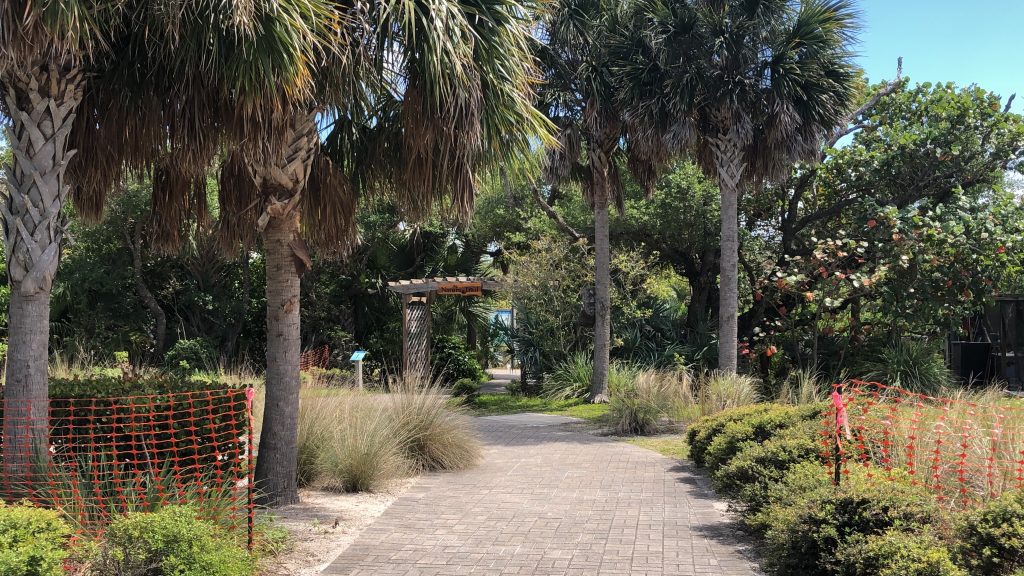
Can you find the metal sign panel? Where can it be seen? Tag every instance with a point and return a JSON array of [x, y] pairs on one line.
[[461, 289], [358, 355]]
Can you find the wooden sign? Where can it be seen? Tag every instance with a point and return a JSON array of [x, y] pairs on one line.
[[461, 289]]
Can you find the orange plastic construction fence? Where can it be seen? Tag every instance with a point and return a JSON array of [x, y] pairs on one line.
[[102, 457], [315, 358], [964, 450]]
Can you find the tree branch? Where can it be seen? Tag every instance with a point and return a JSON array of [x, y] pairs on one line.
[[852, 117], [555, 216]]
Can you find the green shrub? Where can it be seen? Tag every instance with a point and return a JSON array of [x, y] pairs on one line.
[[190, 355], [990, 540], [804, 538], [453, 362], [756, 428], [432, 434], [653, 396], [802, 483], [750, 475], [170, 542], [33, 541], [466, 388], [897, 553], [701, 433]]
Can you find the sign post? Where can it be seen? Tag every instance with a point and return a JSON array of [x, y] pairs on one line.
[[357, 357]]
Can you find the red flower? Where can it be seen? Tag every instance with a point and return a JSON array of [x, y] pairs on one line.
[[872, 223], [1001, 250]]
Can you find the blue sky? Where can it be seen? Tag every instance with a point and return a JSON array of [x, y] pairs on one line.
[[964, 41]]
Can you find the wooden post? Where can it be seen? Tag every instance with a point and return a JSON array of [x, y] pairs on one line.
[[416, 335], [359, 374]]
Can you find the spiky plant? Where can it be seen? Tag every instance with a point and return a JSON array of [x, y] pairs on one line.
[[751, 87]]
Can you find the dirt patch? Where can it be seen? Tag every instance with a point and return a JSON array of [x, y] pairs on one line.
[[323, 525]]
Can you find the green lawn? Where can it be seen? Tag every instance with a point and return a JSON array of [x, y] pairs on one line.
[[497, 404], [671, 445]]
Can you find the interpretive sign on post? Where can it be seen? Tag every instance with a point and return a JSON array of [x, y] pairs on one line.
[[357, 357]]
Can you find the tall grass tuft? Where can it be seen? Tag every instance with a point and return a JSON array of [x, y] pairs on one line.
[[434, 434], [352, 441], [721, 391], [651, 398], [349, 443], [802, 387]]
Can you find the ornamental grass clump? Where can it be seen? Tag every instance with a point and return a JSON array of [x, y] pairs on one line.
[[433, 434], [648, 401], [348, 442]]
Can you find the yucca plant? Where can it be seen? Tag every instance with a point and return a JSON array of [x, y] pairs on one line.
[[571, 379]]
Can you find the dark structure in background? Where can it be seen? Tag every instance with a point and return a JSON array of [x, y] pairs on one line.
[[991, 347]]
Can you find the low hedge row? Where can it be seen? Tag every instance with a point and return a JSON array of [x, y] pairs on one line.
[[170, 541], [767, 459]]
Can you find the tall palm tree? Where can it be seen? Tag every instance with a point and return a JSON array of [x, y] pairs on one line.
[[413, 97], [94, 87], [753, 86], [580, 49]]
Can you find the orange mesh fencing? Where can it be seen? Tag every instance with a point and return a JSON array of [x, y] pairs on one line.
[[964, 451], [102, 457], [315, 358]]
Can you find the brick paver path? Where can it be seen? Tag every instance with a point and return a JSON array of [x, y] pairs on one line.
[[549, 501]]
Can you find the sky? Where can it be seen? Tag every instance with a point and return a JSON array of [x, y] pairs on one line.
[[963, 41]]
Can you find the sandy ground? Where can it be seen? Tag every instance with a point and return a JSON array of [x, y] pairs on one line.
[[323, 525]]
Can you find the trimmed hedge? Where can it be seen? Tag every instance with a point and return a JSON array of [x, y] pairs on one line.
[[701, 433], [749, 476], [33, 541], [896, 553], [715, 440], [807, 537], [990, 540]]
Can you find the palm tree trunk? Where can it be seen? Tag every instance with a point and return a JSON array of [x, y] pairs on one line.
[[602, 300], [42, 101], [729, 160], [159, 316], [276, 467], [281, 180]]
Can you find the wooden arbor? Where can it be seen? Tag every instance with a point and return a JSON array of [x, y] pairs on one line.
[[417, 296]]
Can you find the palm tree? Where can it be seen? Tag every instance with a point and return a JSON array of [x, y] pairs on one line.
[[580, 50], [94, 87], [414, 97], [753, 86]]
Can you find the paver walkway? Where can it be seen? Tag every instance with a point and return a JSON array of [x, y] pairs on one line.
[[548, 501]]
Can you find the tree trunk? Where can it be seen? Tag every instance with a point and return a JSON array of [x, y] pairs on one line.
[[42, 101], [602, 301], [729, 160], [281, 180], [276, 467], [160, 318]]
